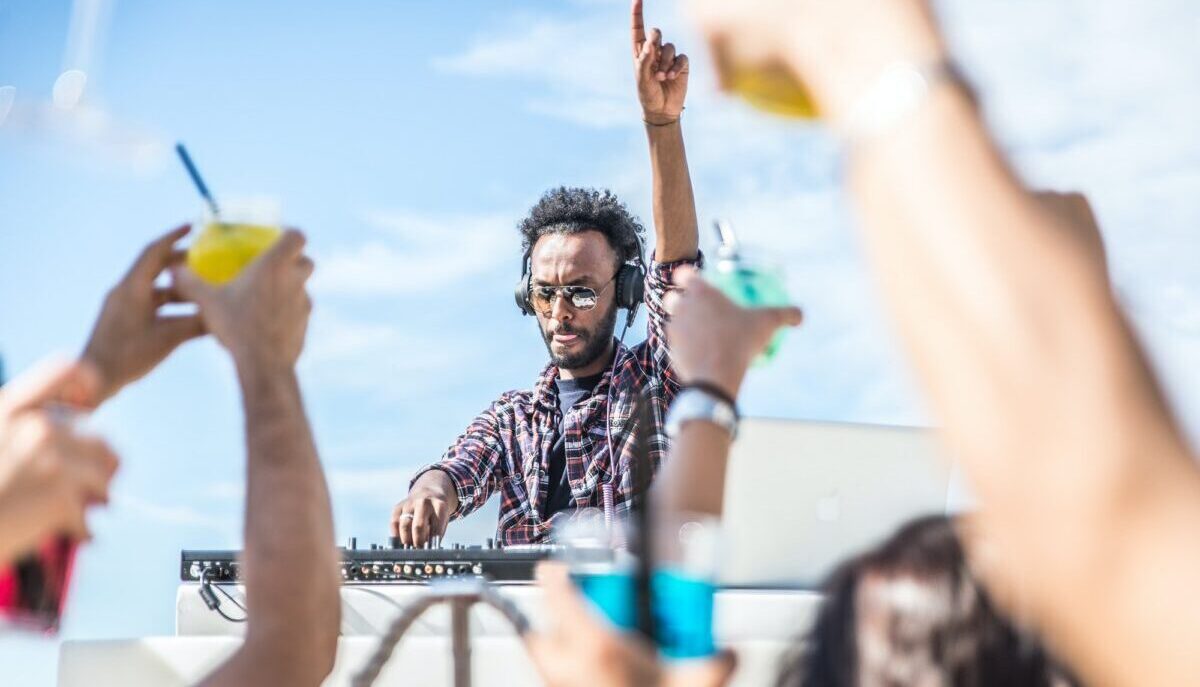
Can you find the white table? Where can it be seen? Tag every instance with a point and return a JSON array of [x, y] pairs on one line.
[[759, 624]]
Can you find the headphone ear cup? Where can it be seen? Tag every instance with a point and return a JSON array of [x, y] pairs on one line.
[[522, 295], [631, 286]]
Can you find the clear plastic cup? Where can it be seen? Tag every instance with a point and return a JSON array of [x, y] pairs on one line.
[[684, 583], [751, 281], [226, 244]]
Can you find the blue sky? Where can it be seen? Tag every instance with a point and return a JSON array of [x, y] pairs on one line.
[[408, 138]]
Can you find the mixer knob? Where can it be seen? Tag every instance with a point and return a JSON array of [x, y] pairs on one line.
[[408, 569], [491, 543], [477, 569], [353, 544], [428, 569], [438, 569], [395, 543]]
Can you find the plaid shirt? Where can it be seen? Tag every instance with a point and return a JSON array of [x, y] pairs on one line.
[[508, 446]]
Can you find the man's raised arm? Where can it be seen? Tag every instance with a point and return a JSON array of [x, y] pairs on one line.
[[662, 78], [290, 561]]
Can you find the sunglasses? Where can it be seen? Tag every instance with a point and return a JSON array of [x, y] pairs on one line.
[[580, 297]]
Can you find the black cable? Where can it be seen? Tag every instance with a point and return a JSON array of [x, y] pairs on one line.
[[221, 588], [214, 604]]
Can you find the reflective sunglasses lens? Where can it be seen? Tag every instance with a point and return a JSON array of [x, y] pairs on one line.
[[583, 298], [542, 297]]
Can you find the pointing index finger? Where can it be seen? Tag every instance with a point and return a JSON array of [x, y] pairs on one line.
[[638, 28]]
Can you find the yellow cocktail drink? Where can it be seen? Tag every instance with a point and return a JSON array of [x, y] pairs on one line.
[[223, 249]]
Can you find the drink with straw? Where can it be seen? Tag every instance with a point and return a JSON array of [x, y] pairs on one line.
[[231, 238], [748, 280], [229, 242]]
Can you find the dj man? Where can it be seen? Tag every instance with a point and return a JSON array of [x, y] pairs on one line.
[[551, 449]]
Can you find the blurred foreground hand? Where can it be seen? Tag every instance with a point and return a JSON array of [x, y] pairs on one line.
[[130, 337], [581, 650], [49, 472], [262, 316], [713, 340], [834, 48]]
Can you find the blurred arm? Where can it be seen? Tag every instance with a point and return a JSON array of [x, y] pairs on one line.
[[1085, 482], [290, 559]]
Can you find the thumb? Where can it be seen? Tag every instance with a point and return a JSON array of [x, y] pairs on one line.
[[74, 382], [789, 316], [190, 286]]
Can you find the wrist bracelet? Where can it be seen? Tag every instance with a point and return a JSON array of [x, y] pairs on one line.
[[673, 121]]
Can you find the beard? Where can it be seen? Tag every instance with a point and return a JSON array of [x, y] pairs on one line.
[[595, 342]]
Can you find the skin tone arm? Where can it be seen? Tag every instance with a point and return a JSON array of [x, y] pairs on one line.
[[1088, 490], [713, 341], [290, 559], [662, 78], [49, 472], [130, 337]]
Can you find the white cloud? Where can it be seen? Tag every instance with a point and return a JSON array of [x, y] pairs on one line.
[[170, 514], [389, 361], [1099, 97], [416, 254]]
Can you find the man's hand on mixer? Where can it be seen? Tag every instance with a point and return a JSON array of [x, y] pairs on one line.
[[426, 511], [130, 337], [581, 649]]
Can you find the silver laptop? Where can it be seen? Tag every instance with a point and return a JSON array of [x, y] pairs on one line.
[[801, 496]]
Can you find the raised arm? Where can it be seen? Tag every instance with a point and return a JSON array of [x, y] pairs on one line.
[[290, 560], [662, 78], [1087, 488], [713, 343]]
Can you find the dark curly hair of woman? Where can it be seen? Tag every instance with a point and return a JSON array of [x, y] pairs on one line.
[[910, 612], [573, 210]]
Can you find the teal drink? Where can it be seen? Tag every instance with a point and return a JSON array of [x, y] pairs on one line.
[[611, 592], [683, 614], [683, 607], [748, 282]]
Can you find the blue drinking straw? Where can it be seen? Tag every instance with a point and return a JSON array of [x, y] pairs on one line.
[[195, 175]]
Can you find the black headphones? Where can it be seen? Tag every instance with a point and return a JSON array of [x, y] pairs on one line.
[[630, 283]]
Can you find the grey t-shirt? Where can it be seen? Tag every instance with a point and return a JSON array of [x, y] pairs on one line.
[[570, 393]]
